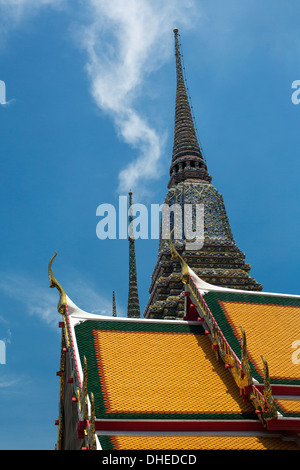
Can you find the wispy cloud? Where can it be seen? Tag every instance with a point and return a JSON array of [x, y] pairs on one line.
[[125, 42], [14, 383], [40, 301], [9, 382], [36, 298]]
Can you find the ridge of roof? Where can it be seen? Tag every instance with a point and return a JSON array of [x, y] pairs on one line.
[[205, 287]]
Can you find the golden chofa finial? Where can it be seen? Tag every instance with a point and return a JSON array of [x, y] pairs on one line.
[[54, 283], [184, 267]]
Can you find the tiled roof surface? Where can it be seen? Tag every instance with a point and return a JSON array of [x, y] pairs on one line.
[[271, 324], [288, 408], [165, 370], [188, 442]]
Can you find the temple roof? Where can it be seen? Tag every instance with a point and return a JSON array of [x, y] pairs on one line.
[[141, 383], [238, 441], [156, 370]]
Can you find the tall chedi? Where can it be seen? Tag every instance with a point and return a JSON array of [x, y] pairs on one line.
[[219, 261]]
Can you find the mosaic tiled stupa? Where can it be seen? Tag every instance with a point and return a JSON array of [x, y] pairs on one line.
[[219, 261]]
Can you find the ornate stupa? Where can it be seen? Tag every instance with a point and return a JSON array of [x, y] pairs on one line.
[[219, 261]]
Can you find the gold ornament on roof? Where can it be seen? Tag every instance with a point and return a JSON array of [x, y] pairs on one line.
[[271, 411], [241, 371], [84, 393], [92, 423], [185, 274], [54, 283], [264, 403]]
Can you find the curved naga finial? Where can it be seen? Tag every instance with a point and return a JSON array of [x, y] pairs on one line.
[[53, 283], [184, 267], [266, 373], [271, 411]]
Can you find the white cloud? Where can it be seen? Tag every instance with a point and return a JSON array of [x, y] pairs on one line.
[[13, 383], [41, 301], [8, 382], [125, 42], [37, 300]]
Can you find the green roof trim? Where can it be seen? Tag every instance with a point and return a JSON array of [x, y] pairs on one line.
[[106, 442]]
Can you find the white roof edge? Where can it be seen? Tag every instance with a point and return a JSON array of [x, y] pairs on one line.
[[76, 315], [205, 287], [76, 312]]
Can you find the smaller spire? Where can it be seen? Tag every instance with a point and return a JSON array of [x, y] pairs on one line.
[[133, 309], [114, 305]]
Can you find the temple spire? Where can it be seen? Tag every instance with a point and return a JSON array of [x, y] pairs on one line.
[[187, 159], [114, 305], [133, 309]]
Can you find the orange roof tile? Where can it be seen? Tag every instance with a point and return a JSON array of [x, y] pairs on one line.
[[137, 371], [289, 407], [203, 442]]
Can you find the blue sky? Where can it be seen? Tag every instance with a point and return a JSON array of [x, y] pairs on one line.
[[90, 92]]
